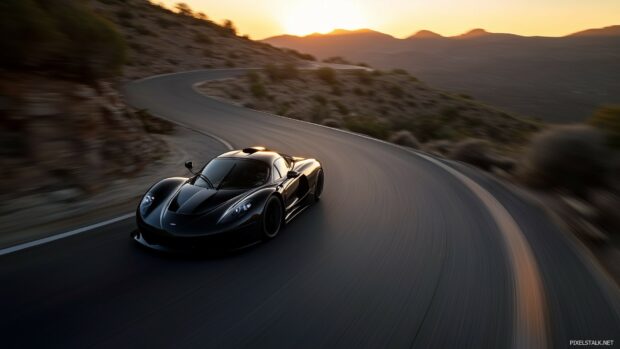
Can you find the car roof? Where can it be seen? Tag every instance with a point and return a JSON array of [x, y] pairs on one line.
[[255, 153]]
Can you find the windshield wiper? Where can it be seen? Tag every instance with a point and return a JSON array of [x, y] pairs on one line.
[[209, 183], [226, 176]]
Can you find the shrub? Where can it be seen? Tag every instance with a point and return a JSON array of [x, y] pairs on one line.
[[166, 23], [319, 112], [405, 138], [566, 157], [364, 77], [304, 56], [331, 123], [66, 38], [439, 147], [202, 38], [230, 27], [476, 152], [258, 90], [319, 99], [153, 124], [396, 91], [337, 60], [367, 125], [184, 9], [252, 76], [342, 109], [607, 118], [281, 72], [327, 75]]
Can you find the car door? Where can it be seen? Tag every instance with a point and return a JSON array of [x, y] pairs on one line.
[[288, 185]]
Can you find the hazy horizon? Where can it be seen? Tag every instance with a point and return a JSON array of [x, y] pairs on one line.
[[404, 18]]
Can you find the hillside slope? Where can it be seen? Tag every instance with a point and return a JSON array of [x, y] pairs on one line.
[[385, 105], [557, 79], [162, 41]]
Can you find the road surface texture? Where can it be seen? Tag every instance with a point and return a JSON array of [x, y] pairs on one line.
[[402, 252]]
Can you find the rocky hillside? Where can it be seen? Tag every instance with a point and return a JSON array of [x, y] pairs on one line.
[[160, 40], [381, 104], [59, 134]]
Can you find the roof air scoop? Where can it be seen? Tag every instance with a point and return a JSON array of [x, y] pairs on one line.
[[252, 150]]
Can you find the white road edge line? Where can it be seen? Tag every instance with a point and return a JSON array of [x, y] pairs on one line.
[[529, 329], [48, 239]]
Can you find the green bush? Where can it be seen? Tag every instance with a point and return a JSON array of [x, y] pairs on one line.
[[573, 158], [367, 125], [202, 38], [253, 76], [64, 37], [332, 123], [476, 152], [230, 27], [364, 77], [405, 138], [342, 109], [258, 90], [304, 56], [328, 75], [281, 72], [319, 99], [607, 118], [396, 91]]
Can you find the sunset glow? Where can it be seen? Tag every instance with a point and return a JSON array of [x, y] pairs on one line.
[[307, 16], [401, 18]]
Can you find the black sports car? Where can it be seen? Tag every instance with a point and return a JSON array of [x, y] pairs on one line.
[[237, 198]]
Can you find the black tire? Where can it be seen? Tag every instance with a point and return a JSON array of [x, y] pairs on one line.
[[272, 218], [318, 188]]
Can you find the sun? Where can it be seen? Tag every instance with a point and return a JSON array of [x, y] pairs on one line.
[[304, 17]]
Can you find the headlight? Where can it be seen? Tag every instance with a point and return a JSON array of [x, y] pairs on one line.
[[146, 202], [236, 211], [242, 208]]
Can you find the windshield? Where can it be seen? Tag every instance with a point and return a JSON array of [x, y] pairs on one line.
[[229, 173]]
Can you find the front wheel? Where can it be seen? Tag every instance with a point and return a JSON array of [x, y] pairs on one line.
[[272, 218]]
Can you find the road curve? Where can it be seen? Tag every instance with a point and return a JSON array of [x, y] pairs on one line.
[[399, 253]]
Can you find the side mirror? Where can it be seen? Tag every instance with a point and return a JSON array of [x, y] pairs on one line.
[[189, 165], [292, 174]]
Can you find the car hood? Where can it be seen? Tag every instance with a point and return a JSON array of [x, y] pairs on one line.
[[191, 199]]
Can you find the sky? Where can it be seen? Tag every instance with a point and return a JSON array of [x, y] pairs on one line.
[[401, 18]]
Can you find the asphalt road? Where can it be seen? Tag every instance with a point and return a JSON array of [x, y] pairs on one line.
[[399, 253]]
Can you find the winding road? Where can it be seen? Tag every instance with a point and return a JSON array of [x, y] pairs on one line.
[[403, 251]]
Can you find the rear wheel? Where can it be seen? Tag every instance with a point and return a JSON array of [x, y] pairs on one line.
[[318, 188], [272, 218]]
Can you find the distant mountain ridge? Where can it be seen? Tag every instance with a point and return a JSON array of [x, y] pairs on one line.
[[559, 79]]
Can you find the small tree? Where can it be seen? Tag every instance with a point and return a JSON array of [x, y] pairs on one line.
[[327, 75], [184, 9], [230, 26], [607, 118]]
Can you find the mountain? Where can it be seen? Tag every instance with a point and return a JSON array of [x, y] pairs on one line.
[[474, 33], [613, 30], [425, 34], [559, 79]]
